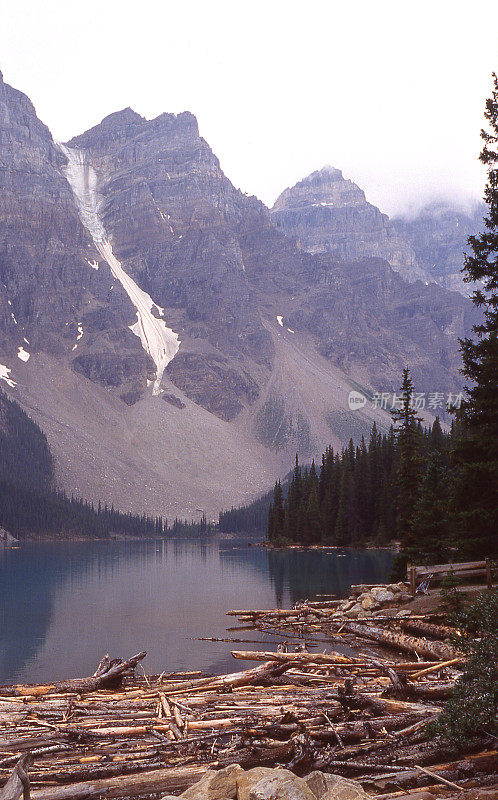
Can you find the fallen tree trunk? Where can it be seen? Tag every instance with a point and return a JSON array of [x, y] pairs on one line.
[[18, 783], [108, 679], [433, 691], [364, 729], [226, 682], [159, 780], [428, 629], [408, 644]]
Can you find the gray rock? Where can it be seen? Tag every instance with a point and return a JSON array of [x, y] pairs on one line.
[[217, 785], [398, 587], [369, 603], [329, 213], [246, 780], [321, 782], [281, 787], [383, 596], [345, 789], [354, 611], [6, 538]]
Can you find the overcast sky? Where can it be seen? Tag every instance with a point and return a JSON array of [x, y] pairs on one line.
[[391, 92]]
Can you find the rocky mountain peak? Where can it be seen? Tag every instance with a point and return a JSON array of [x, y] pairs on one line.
[[327, 213], [326, 187], [114, 127]]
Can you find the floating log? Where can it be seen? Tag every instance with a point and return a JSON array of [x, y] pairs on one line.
[[107, 676]]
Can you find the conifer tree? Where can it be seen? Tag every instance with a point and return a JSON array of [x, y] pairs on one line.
[[408, 471], [278, 511], [343, 533], [475, 500], [429, 523]]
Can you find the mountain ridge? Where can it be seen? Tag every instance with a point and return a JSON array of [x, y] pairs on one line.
[[273, 338]]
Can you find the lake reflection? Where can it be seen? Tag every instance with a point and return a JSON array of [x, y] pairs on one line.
[[62, 606]]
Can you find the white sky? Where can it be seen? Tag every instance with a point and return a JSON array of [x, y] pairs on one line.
[[389, 91]]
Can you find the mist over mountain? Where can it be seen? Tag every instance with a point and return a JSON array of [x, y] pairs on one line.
[[328, 214], [176, 340]]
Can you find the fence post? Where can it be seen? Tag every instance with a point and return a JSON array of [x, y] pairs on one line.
[[412, 580], [489, 579]]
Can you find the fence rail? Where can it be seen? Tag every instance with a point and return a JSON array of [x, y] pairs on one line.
[[465, 569]]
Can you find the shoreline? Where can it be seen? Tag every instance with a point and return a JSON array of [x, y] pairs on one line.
[[123, 736]]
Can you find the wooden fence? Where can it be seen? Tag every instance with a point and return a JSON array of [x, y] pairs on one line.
[[467, 569]]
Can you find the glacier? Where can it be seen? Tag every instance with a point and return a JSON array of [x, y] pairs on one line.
[[159, 341]]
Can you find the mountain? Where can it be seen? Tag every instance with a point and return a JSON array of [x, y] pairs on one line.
[[438, 234], [174, 343], [328, 214]]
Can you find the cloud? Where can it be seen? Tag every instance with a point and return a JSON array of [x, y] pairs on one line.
[[391, 93]]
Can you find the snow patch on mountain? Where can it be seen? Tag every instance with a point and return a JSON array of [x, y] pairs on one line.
[[159, 341], [5, 375], [22, 354]]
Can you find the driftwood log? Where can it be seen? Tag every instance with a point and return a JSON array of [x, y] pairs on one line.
[[18, 783], [428, 629], [409, 644], [159, 780], [105, 677]]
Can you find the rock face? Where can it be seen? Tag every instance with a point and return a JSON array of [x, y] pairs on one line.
[[274, 333], [329, 214], [49, 294], [438, 234], [172, 215]]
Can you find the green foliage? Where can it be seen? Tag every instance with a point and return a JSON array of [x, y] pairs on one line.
[[475, 500], [452, 599], [25, 457], [472, 711], [250, 518], [352, 499], [429, 519], [408, 440]]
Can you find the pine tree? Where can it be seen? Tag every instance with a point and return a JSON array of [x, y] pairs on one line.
[[429, 523], [475, 500], [313, 521], [278, 513], [408, 472], [344, 525]]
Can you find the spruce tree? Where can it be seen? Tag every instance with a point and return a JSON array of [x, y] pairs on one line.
[[344, 524], [475, 500], [408, 471], [429, 523]]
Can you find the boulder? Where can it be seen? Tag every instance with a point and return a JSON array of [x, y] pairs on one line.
[[368, 603], [282, 785], [246, 780], [398, 587], [320, 782], [383, 595], [215, 785], [345, 789]]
